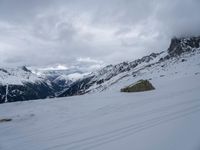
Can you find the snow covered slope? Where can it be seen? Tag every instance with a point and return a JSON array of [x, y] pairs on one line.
[[99, 80], [163, 119]]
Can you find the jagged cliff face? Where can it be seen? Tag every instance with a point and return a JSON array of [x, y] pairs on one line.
[[24, 85], [181, 45]]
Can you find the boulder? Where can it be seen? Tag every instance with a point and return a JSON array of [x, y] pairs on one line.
[[139, 86]]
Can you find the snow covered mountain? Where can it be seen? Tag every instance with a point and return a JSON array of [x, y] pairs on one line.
[[179, 51], [25, 85], [17, 76], [61, 79], [97, 81], [19, 84]]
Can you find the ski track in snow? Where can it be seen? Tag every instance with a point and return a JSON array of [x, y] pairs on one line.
[[93, 141], [129, 126]]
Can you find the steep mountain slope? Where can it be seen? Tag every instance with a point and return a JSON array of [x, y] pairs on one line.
[[19, 84], [184, 44], [179, 49], [96, 80]]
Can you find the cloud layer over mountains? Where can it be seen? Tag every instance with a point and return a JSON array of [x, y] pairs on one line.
[[49, 32]]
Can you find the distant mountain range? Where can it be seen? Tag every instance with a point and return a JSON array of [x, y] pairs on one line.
[[20, 84]]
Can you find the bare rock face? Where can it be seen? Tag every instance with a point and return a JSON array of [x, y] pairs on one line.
[[181, 45], [139, 86]]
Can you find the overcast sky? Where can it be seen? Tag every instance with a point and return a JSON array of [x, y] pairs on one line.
[[91, 32]]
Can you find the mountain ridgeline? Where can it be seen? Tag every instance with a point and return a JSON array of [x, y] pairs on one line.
[[109, 75], [20, 84]]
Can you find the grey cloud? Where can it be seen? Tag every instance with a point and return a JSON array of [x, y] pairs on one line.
[[48, 32], [20, 10]]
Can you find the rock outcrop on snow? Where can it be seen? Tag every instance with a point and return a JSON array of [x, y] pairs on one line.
[[139, 86], [181, 45]]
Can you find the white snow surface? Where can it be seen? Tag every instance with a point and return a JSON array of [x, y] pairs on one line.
[[167, 118]]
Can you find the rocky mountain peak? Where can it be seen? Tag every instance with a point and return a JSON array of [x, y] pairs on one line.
[[184, 44], [24, 68]]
